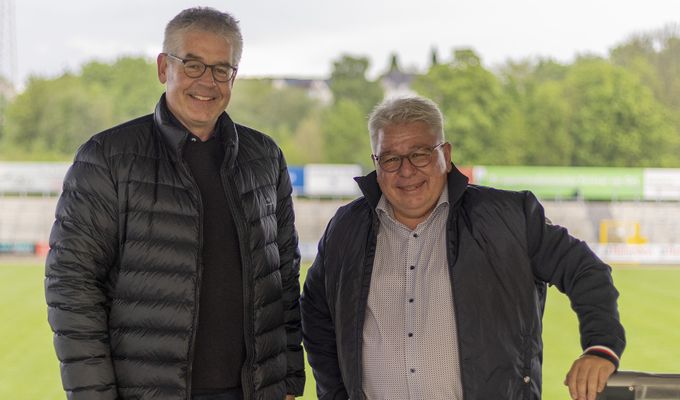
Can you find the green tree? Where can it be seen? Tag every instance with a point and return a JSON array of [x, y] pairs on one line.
[[537, 121], [615, 120], [518, 82], [274, 108], [549, 70], [346, 139], [286, 113], [307, 144], [345, 133], [476, 110], [131, 81], [434, 56], [655, 58], [638, 56], [668, 70], [548, 140], [349, 82], [52, 117]]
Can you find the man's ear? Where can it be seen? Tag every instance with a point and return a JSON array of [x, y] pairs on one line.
[[447, 157], [162, 65]]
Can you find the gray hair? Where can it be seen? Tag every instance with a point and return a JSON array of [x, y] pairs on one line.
[[204, 19], [403, 110]]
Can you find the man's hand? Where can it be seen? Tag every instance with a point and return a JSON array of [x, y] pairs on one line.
[[289, 397], [588, 377]]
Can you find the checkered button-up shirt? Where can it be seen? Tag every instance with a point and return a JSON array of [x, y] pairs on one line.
[[410, 346]]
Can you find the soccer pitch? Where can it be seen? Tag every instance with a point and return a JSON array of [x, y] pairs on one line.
[[649, 306]]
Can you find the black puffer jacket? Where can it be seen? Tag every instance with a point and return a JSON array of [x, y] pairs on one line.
[[124, 266], [501, 253]]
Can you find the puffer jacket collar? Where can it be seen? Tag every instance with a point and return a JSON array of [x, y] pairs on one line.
[[175, 134], [457, 183]]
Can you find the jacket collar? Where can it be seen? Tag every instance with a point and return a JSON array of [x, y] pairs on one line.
[[457, 183], [174, 134]]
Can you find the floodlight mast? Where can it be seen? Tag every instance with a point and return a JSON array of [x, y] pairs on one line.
[[8, 45]]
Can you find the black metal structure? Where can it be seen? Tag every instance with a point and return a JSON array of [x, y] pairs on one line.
[[634, 385]]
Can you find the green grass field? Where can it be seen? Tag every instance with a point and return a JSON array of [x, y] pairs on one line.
[[649, 305]]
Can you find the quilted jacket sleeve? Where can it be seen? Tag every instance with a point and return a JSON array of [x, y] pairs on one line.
[[83, 247], [571, 266], [290, 274]]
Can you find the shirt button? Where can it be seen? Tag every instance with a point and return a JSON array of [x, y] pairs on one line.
[[527, 379], [412, 267], [415, 235], [410, 334], [193, 139], [413, 370], [410, 300]]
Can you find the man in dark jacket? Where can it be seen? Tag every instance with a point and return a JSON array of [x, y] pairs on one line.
[[428, 287], [173, 269]]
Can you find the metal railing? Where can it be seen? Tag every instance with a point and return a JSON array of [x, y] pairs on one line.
[[634, 385]]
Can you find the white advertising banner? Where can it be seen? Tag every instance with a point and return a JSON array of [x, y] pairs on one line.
[[651, 253], [331, 180], [26, 177], [661, 184]]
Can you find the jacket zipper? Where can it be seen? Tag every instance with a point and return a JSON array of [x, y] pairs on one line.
[[243, 232], [450, 256], [363, 303], [199, 271]]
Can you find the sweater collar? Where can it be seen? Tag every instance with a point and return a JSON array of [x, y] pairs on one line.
[[175, 134], [456, 185]]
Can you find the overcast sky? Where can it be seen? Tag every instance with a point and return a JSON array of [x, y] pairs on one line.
[[302, 37]]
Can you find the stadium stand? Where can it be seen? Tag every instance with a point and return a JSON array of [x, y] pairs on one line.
[[25, 221], [628, 215]]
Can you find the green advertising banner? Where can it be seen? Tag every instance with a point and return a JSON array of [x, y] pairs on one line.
[[590, 183]]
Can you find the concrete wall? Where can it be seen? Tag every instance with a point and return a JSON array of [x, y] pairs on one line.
[[29, 219]]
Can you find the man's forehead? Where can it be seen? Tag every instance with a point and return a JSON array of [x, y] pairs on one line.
[[402, 147], [415, 128], [205, 46], [197, 56], [404, 137]]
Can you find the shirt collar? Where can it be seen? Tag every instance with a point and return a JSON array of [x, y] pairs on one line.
[[175, 135]]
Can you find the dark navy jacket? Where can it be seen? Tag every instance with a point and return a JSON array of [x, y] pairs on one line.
[[502, 253]]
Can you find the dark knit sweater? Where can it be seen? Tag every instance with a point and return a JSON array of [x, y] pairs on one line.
[[219, 346]]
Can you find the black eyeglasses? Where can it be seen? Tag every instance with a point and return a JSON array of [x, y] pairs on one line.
[[419, 158], [196, 69]]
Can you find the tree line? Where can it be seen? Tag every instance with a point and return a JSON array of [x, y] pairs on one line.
[[618, 110]]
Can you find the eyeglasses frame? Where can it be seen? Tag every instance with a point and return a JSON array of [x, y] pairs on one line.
[[376, 158], [205, 67]]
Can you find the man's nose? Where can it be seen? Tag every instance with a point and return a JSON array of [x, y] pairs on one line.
[[406, 169], [208, 77]]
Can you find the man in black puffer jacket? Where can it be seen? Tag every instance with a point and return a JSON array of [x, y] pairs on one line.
[[173, 269], [428, 287]]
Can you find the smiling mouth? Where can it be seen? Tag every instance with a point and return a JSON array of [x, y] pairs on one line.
[[411, 188], [201, 98]]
